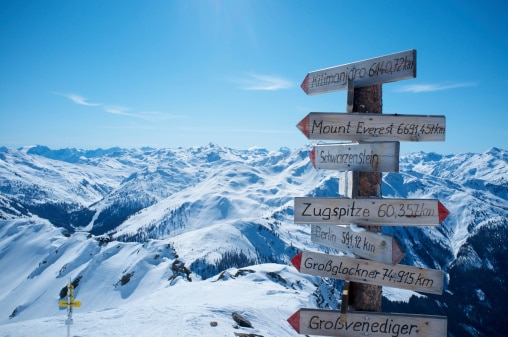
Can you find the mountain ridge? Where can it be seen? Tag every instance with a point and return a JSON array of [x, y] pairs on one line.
[[191, 215]]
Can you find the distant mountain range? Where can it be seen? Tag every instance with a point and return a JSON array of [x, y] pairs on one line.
[[125, 224]]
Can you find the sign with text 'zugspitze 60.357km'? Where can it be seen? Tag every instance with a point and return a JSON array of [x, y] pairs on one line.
[[373, 127], [369, 211], [388, 68]]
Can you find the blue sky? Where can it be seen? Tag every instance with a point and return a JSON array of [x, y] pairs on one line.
[[97, 74]]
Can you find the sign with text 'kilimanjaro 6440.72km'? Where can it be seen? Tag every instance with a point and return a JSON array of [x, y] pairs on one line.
[[364, 157], [330, 323], [388, 68], [370, 272], [373, 127]]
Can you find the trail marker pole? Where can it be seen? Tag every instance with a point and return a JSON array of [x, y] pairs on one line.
[[69, 303], [70, 296]]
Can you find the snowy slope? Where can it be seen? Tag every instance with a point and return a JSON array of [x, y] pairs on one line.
[[172, 239]]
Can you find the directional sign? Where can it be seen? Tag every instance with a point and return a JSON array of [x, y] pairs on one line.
[[363, 157], [74, 304], [362, 243], [373, 127], [370, 272], [328, 323], [370, 211], [388, 68]]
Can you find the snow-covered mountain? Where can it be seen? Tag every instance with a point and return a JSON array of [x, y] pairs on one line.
[[174, 241]]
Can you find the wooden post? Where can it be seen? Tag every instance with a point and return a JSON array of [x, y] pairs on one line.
[[364, 297]]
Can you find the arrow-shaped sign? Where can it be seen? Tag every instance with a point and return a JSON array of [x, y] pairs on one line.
[[373, 127], [74, 304], [328, 323], [363, 157], [362, 243], [370, 272], [383, 69], [370, 211]]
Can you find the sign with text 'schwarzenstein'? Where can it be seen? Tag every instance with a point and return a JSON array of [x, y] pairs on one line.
[[364, 157], [373, 127], [329, 323], [424, 280], [388, 68]]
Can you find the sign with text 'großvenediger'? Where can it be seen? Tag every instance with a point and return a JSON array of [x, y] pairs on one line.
[[329, 323]]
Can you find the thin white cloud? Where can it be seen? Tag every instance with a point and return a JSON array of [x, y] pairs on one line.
[[117, 110], [153, 116], [263, 82], [416, 88], [78, 99]]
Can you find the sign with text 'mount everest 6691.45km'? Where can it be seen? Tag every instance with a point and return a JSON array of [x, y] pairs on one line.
[[373, 127], [388, 68], [370, 272], [369, 211], [362, 243], [364, 157], [329, 323]]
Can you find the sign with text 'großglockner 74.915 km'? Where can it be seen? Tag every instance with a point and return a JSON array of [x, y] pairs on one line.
[[383, 69], [324, 322], [424, 280], [373, 127], [364, 157]]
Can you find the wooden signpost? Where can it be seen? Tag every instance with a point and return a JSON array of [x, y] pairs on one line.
[[362, 243], [374, 149], [329, 323], [370, 272], [365, 157], [373, 127], [388, 68], [370, 211]]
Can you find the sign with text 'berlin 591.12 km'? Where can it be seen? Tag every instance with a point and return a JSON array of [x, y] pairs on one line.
[[366, 244]]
